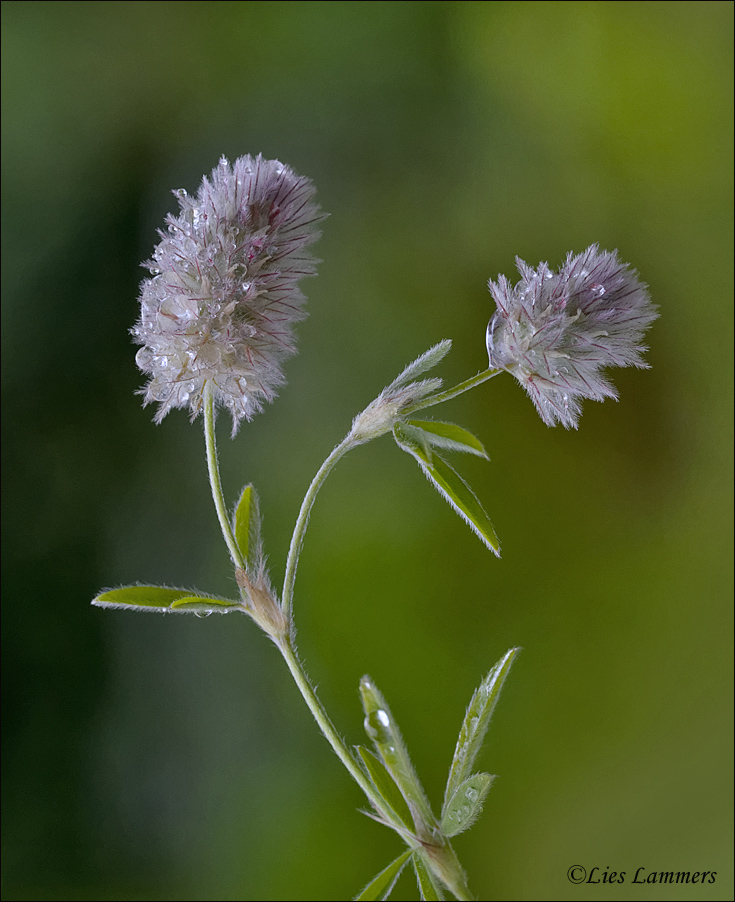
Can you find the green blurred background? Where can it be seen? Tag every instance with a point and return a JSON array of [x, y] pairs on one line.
[[163, 758]]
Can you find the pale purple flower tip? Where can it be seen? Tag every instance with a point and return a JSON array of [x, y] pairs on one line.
[[555, 332], [224, 293]]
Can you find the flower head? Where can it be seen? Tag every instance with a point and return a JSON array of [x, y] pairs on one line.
[[224, 292], [555, 332]]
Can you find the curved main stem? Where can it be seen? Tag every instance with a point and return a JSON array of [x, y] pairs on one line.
[[320, 715], [443, 857], [285, 643], [297, 539]]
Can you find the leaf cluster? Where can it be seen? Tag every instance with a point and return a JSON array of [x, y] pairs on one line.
[[395, 781]]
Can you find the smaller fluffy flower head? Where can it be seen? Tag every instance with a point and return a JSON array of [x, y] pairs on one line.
[[224, 293], [555, 332]]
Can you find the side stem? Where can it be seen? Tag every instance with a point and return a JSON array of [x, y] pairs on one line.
[[452, 392]]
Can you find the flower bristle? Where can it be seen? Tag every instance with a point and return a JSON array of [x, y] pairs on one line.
[[224, 293], [556, 332]]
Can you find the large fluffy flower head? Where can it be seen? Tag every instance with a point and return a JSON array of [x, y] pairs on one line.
[[556, 332], [224, 293]]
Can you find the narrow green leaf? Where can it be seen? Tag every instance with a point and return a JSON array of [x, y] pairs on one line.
[[386, 786], [449, 436], [476, 721], [425, 362], [465, 805], [197, 604], [451, 486], [162, 600], [429, 887], [246, 526], [383, 730], [381, 885]]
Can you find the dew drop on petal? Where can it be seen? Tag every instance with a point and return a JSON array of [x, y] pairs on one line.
[[159, 390], [144, 358]]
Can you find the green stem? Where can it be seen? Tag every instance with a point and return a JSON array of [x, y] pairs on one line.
[[320, 715], [443, 862], [444, 859], [452, 392], [214, 479], [297, 540]]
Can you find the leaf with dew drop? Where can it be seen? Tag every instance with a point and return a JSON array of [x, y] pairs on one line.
[[163, 600], [382, 728], [475, 724], [465, 805]]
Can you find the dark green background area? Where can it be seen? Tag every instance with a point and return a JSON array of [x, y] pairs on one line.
[[151, 757]]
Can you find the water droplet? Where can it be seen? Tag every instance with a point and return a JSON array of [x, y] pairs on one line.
[[159, 390], [383, 718], [202, 614], [144, 358], [598, 290], [471, 793], [208, 354]]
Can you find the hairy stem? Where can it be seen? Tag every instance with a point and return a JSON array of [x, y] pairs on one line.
[[320, 715], [297, 540], [442, 858], [452, 392], [214, 479]]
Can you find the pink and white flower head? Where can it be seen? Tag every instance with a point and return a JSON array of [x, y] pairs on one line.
[[556, 332], [224, 293]]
